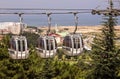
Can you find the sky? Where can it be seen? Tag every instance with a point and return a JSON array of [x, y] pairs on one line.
[[52, 3], [57, 4]]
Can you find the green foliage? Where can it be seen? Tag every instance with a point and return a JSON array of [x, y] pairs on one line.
[[104, 53], [31, 38]]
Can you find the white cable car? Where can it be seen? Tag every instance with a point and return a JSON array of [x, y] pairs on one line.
[[47, 45], [73, 44], [18, 48]]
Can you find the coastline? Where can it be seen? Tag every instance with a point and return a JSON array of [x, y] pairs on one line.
[[81, 29]]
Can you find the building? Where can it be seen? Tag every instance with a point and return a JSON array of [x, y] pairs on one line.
[[11, 27], [57, 37], [30, 30]]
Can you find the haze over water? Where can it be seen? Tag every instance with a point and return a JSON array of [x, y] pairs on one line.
[[60, 20]]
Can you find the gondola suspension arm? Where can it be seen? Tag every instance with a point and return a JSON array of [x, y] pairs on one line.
[[76, 22], [49, 22], [21, 20]]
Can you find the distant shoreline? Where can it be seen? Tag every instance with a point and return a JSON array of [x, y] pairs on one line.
[[81, 29]]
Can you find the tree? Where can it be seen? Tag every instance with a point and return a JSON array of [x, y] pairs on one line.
[[31, 38], [105, 54]]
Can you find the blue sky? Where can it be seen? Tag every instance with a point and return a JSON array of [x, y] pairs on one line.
[[51, 3]]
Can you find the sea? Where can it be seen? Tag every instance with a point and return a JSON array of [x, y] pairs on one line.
[[59, 19]]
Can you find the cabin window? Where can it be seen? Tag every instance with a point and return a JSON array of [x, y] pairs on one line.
[[76, 42], [23, 43], [55, 44], [82, 42], [13, 45], [42, 44], [19, 45], [67, 42], [49, 44]]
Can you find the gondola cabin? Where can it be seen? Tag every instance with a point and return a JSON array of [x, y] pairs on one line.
[[73, 44], [46, 47], [18, 48]]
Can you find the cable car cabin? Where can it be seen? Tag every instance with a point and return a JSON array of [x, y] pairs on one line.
[[46, 47], [73, 44], [18, 48]]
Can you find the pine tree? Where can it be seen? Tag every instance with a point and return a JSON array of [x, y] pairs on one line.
[[105, 54]]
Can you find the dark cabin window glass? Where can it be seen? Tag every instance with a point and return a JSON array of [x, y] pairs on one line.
[[49, 44], [55, 44], [42, 44], [13, 45], [23, 43], [68, 42], [76, 42], [65, 41], [82, 42], [19, 45]]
